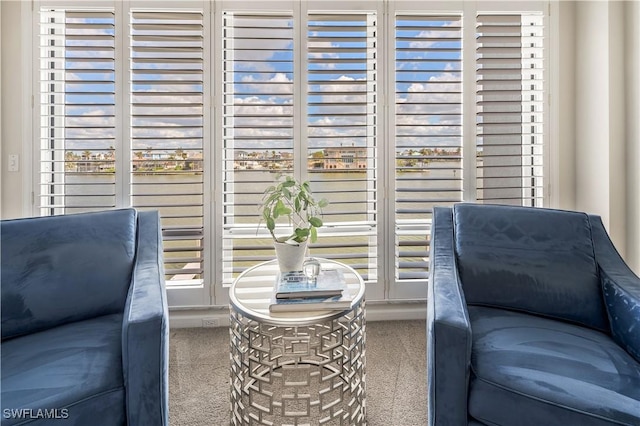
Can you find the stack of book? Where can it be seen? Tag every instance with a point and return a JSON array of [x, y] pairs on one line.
[[294, 292]]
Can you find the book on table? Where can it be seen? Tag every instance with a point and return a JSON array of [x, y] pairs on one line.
[[340, 302], [294, 293], [296, 285]]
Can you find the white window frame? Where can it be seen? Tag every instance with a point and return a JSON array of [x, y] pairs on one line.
[[191, 294], [211, 292], [413, 290]]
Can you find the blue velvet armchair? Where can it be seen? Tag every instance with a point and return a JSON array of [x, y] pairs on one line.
[[84, 320], [532, 319]]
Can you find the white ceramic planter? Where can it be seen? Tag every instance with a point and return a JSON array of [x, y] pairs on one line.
[[290, 256]]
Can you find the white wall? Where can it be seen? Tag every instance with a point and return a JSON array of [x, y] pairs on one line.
[[13, 101], [600, 115], [632, 78], [563, 129], [617, 130]]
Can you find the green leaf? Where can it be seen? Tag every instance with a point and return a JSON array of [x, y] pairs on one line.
[[291, 198], [278, 209], [271, 223], [302, 232], [314, 235], [315, 221]]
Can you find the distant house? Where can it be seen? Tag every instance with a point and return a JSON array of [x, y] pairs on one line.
[[345, 158]]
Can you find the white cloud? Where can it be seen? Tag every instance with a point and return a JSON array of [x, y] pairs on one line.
[[277, 83], [427, 114]]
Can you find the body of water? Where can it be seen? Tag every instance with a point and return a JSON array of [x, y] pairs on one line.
[[352, 198]]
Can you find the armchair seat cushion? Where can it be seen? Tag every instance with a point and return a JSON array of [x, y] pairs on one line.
[[77, 367], [530, 370]]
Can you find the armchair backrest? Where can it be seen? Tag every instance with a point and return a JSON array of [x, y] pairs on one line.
[[60, 269], [540, 261]]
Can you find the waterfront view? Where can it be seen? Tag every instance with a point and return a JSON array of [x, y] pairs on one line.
[[173, 183], [353, 209], [179, 160]]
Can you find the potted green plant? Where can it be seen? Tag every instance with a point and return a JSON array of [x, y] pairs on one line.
[[292, 200]]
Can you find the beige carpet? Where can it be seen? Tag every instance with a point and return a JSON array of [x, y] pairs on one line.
[[396, 375]]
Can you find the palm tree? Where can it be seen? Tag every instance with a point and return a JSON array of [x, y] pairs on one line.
[[138, 162], [149, 159], [69, 158], [85, 165], [424, 154]]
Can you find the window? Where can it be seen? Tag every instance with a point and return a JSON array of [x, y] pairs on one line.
[[77, 123], [388, 108], [428, 132], [318, 124], [430, 138], [341, 116], [167, 132], [126, 127], [258, 128], [510, 101]]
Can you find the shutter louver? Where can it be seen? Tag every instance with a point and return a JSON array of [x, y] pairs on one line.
[[124, 120], [167, 130], [428, 132], [257, 129], [341, 119], [510, 109], [77, 111]]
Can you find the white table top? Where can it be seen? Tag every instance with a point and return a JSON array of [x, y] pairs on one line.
[[251, 294]]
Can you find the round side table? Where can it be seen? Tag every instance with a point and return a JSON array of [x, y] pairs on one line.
[[295, 368]]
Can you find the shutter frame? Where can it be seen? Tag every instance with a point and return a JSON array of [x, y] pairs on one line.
[[428, 132]]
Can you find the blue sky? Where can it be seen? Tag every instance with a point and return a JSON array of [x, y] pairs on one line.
[[427, 99]]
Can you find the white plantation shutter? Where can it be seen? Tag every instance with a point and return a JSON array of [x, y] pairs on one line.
[[428, 132], [341, 134], [77, 111], [510, 101], [167, 132], [335, 118], [258, 138], [389, 108], [149, 157]]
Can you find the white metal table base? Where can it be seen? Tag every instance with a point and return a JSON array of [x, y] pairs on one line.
[[298, 375]]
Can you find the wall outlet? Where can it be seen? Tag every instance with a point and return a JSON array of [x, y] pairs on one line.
[[14, 163], [210, 322]]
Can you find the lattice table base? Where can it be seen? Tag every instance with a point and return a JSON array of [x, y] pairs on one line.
[[302, 375]]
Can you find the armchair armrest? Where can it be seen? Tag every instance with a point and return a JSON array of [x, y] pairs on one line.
[[621, 290], [448, 329], [145, 350]]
